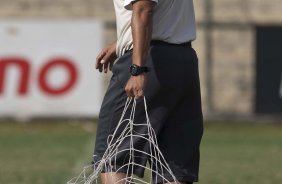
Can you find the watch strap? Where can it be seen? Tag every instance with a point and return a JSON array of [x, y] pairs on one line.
[[137, 70]]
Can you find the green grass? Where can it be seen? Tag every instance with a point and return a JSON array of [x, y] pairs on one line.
[[241, 153], [43, 153], [52, 153]]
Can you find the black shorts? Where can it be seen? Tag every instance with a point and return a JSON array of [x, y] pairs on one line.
[[174, 106]]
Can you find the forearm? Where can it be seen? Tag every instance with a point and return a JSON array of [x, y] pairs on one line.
[[141, 25]]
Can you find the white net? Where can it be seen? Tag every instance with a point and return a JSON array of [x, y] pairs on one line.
[[157, 168]]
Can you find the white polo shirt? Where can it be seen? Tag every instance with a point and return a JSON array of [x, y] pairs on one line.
[[173, 22]]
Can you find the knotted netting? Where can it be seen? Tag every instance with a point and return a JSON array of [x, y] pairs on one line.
[[157, 167]]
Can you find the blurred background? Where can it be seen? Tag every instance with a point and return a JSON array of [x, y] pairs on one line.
[[50, 93]]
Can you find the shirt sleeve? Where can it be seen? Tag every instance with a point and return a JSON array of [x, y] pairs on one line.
[[128, 6]]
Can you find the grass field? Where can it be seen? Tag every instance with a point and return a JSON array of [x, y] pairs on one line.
[[52, 153]]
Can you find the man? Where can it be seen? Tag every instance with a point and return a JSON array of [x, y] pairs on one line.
[[155, 59]]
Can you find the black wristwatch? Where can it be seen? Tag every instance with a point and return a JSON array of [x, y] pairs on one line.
[[137, 70]]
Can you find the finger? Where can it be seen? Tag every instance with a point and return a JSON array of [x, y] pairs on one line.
[[129, 92], [97, 63], [137, 97], [106, 67], [111, 65], [100, 68], [135, 92], [102, 65], [99, 58], [106, 58], [101, 61], [139, 94], [101, 55]]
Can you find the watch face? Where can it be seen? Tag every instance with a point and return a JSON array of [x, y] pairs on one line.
[[133, 70]]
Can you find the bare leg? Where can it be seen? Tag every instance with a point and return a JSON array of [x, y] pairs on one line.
[[113, 178]]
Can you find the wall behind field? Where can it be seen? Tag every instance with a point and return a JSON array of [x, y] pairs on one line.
[[60, 9], [225, 43], [229, 72]]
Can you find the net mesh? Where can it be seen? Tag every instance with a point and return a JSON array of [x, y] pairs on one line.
[[157, 168]]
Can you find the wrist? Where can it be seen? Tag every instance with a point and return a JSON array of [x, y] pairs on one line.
[[136, 70], [138, 63]]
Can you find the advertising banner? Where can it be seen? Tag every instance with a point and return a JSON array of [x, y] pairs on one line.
[[47, 68]]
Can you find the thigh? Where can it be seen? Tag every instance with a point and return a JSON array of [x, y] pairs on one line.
[[109, 118], [111, 109], [180, 135]]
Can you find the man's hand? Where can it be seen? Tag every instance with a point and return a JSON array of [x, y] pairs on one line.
[[135, 86], [106, 58]]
